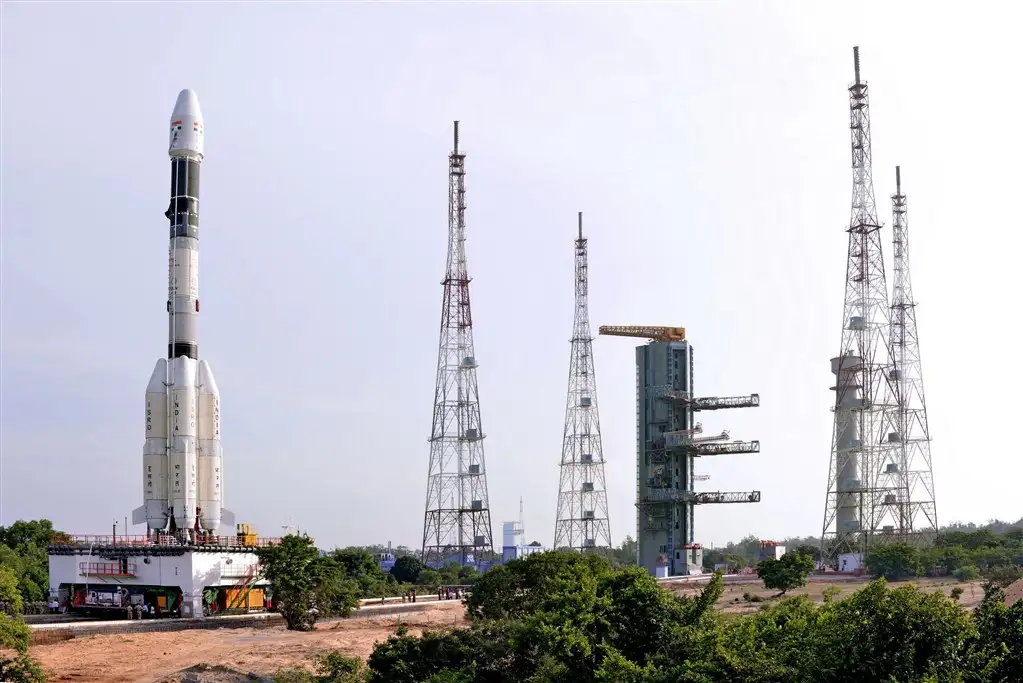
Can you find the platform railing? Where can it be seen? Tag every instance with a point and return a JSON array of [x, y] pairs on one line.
[[165, 541], [106, 569]]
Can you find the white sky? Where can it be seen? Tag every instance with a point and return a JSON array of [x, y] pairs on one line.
[[706, 143]]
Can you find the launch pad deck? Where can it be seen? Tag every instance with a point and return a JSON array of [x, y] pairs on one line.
[[67, 544]]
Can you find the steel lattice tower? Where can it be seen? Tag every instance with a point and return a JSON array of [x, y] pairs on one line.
[[582, 522], [914, 443], [457, 521], [864, 484]]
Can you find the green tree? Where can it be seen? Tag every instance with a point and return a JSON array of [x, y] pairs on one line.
[[485, 649], [567, 618], [791, 571], [811, 551], [37, 533], [14, 635], [449, 573], [966, 573], [306, 586], [359, 565], [468, 574], [893, 561], [23, 550], [429, 578], [406, 569], [997, 649], [528, 585], [627, 552], [882, 634]]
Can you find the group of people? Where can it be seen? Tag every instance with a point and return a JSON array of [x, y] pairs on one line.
[[449, 593], [136, 610], [443, 593]]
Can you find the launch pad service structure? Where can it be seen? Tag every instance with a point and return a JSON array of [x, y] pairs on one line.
[[181, 566], [668, 444]]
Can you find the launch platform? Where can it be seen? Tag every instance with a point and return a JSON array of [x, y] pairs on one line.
[[109, 575]]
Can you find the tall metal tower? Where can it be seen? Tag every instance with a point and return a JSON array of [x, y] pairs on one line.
[[914, 436], [582, 522], [864, 484], [457, 521]]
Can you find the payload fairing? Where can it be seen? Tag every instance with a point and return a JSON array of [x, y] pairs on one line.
[[182, 460]]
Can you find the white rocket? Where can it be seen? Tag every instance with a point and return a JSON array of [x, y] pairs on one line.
[[182, 460]]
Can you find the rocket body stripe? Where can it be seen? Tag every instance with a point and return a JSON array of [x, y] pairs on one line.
[[182, 456]]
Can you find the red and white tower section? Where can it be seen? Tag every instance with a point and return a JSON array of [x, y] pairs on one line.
[[182, 460]]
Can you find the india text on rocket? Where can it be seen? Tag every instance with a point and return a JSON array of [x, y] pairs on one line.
[[182, 461]]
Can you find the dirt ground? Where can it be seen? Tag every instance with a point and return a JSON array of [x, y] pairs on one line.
[[1013, 593], [158, 657], [733, 600]]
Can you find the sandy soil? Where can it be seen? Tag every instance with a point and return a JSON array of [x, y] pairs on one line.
[[151, 657], [1013, 593], [733, 600]]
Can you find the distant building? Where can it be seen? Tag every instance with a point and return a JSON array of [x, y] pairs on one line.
[[514, 542], [850, 562], [771, 550], [385, 561]]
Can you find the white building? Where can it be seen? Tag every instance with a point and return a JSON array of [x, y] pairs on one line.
[[514, 546], [96, 574]]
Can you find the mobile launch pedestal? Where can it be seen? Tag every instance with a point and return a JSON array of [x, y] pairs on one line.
[[105, 575], [181, 566]]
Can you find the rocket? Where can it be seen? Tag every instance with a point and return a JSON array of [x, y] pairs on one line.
[[182, 459]]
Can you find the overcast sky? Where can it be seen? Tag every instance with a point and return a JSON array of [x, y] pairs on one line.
[[706, 143]]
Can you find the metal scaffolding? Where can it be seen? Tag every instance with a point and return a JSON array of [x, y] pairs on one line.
[[918, 513], [863, 480], [457, 521], [582, 521]]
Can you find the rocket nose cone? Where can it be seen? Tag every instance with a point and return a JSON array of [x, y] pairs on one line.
[[187, 106]]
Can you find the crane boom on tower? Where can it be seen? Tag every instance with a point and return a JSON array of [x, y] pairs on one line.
[[723, 436], [651, 332], [703, 497], [722, 448]]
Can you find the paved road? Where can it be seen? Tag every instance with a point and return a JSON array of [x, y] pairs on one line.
[[368, 608]]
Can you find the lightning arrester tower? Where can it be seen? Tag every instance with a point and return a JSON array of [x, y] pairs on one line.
[[457, 521], [582, 523], [864, 485], [914, 436]]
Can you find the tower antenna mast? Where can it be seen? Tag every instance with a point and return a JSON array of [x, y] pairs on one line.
[[582, 522], [457, 521], [864, 484], [914, 436]]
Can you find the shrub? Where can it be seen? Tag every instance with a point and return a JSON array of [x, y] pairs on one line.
[[967, 572]]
